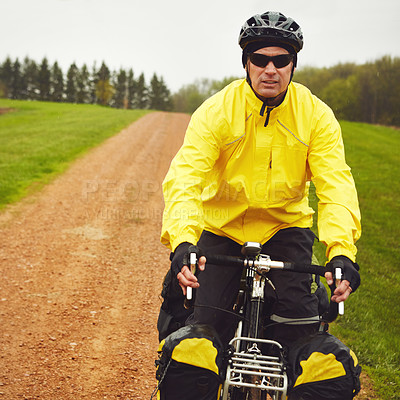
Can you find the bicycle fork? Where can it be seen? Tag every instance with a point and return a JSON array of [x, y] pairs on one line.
[[250, 369], [257, 301]]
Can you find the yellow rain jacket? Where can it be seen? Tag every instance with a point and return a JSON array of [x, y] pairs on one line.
[[238, 178]]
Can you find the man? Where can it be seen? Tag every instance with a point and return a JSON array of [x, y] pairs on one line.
[[243, 174]]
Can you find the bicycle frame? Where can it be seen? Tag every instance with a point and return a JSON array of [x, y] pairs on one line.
[[248, 368]]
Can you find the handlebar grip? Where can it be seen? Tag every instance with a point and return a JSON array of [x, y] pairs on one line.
[[306, 268], [229, 261]]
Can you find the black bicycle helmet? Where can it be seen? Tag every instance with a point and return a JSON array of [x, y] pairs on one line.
[[265, 30], [272, 27]]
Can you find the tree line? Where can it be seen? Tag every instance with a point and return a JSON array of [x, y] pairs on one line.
[[364, 93], [28, 80]]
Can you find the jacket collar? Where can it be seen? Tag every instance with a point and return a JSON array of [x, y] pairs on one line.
[[259, 110]]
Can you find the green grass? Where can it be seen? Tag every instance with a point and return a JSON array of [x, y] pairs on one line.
[[38, 140], [371, 324]]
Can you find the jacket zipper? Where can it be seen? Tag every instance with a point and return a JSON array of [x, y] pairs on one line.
[[262, 111], [269, 109]]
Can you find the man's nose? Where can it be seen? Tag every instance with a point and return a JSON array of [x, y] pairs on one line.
[[270, 67]]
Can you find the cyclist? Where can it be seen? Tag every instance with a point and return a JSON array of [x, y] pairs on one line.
[[243, 173]]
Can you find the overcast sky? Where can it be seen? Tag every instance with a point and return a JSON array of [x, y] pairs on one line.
[[184, 40]]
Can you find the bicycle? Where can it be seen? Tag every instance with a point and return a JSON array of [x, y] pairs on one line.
[[256, 368]]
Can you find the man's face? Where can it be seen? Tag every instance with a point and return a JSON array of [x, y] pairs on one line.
[[269, 81]]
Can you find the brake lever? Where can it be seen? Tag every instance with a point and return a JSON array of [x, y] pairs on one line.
[[192, 262], [338, 279], [335, 309], [188, 303]]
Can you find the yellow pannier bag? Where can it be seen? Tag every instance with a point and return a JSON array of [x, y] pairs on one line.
[[320, 367], [190, 364]]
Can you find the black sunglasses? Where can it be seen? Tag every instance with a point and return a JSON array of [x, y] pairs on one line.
[[260, 60]]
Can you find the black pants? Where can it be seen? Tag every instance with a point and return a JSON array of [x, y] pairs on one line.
[[292, 299]]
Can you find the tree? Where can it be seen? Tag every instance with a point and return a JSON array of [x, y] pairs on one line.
[[393, 95], [387, 90], [6, 72], [104, 89], [2, 89], [56, 83], [314, 78], [44, 80], [104, 92], [16, 81], [120, 95], [30, 72], [141, 95], [159, 95], [189, 97], [83, 85], [342, 96], [23, 84], [216, 86], [72, 89], [131, 87]]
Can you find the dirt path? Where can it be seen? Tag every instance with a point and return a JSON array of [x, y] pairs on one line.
[[81, 269]]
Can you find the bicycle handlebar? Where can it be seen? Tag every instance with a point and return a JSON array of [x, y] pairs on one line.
[[263, 263]]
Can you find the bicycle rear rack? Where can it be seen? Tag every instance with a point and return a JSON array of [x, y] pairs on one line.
[[253, 369]]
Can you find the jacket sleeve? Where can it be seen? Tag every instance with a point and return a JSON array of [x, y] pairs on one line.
[[183, 185], [339, 216]]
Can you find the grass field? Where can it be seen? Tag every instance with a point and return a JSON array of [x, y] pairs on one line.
[[371, 324], [39, 140]]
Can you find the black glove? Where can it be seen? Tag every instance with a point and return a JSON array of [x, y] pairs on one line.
[[349, 270], [180, 256]]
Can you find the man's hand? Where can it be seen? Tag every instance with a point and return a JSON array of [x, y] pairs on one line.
[[351, 277], [187, 278], [180, 268]]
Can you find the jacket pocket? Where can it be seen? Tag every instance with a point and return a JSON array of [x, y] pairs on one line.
[[287, 175]]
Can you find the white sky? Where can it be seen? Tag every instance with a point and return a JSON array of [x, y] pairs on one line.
[[184, 40]]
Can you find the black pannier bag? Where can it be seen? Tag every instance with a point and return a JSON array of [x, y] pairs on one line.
[[190, 364], [172, 314], [321, 367]]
